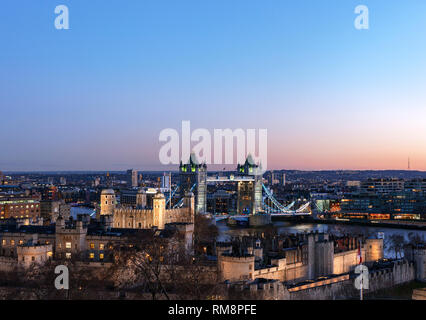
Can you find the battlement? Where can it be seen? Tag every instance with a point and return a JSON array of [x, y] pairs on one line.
[[260, 288], [237, 257], [28, 249], [223, 244]]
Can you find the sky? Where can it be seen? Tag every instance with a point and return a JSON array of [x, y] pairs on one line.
[[97, 96]]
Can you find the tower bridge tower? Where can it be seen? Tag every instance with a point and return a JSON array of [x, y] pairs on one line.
[[194, 173], [250, 191]]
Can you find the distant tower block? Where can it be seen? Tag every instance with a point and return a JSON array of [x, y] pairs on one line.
[[191, 174], [107, 202], [132, 177]]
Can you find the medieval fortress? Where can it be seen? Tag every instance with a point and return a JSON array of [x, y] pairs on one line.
[[284, 266], [150, 210], [313, 266]]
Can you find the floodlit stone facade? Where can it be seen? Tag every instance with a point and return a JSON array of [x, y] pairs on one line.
[[108, 202], [143, 217], [314, 257]]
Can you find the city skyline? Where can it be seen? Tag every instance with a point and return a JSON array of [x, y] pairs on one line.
[[96, 97]]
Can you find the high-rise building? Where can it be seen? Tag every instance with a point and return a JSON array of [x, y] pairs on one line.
[[50, 193], [165, 181], [132, 178], [19, 208], [97, 182], [381, 186]]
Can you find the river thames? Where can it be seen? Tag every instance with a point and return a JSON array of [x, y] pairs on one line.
[[283, 227]]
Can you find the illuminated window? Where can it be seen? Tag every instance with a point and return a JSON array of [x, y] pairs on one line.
[[3, 242], [68, 245], [12, 242], [92, 246], [101, 246], [68, 255], [21, 241], [92, 255], [101, 256]]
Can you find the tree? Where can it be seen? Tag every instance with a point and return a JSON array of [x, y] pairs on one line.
[[395, 242], [139, 262], [85, 281], [158, 263], [204, 230], [193, 278], [415, 239]]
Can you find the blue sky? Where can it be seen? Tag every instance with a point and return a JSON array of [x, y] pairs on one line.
[[96, 97]]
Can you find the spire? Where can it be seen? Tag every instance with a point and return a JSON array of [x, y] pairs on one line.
[[193, 159], [250, 160]]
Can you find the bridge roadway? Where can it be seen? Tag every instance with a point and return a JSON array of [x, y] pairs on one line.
[[242, 217], [230, 179]]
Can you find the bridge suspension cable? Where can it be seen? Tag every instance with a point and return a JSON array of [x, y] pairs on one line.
[[171, 196], [180, 203], [280, 209]]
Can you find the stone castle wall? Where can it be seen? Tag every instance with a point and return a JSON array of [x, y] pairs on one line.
[[342, 287], [346, 261], [8, 264], [158, 216], [234, 268], [296, 272], [145, 218]]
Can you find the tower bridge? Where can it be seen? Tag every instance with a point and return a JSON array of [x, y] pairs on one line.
[[253, 197]]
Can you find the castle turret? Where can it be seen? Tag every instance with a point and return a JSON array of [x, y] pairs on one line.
[[417, 254], [60, 223], [108, 202], [324, 258], [236, 267], [373, 249], [106, 222], [70, 240], [311, 255], [141, 201], [159, 210], [189, 202]]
